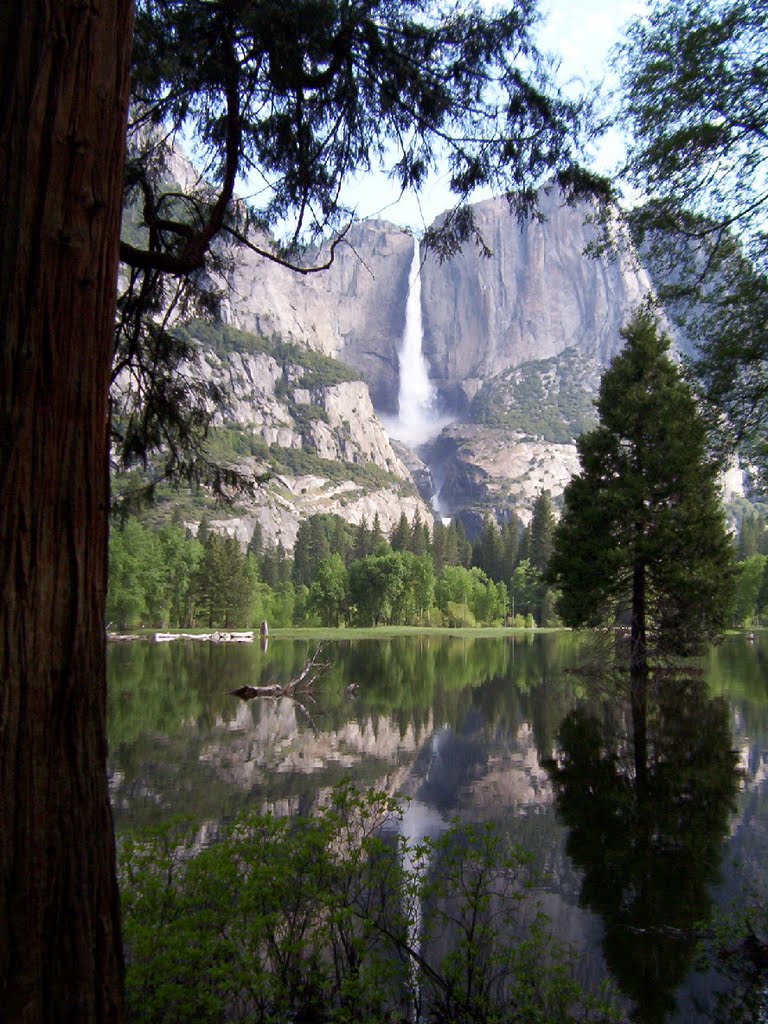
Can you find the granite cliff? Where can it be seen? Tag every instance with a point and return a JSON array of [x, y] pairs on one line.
[[514, 346], [515, 343], [307, 420]]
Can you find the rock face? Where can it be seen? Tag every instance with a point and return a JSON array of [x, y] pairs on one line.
[[354, 311], [275, 403], [515, 345], [537, 310], [537, 295], [481, 469], [320, 437]]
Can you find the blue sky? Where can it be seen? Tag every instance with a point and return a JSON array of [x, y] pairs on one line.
[[580, 33]]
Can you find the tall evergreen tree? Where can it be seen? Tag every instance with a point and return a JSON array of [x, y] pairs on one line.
[[463, 548], [542, 531], [488, 551], [362, 545], [256, 543], [378, 540], [312, 546], [400, 538], [510, 542], [642, 532], [419, 535]]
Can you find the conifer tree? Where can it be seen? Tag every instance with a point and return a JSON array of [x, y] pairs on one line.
[[377, 535], [400, 538], [419, 535], [642, 531], [362, 545], [488, 552], [463, 548], [542, 531], [509, 545], [256, 543]]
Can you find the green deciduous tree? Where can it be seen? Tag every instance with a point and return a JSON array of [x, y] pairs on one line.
[[328, 591], [746, 597], [377, 588], [642, 532], [694, 77]]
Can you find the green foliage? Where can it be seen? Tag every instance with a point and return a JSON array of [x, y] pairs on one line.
[[300, 462], [488, 551], [450, 545], [746, 596], [642, 529], [314, 919], [400, 537], [221, 338], [467, 597], [166, 578], [526, 589], [548, 398], [224, 583], [151, 576], [542, 532], [693, 76], [377, 588], [328, 592]]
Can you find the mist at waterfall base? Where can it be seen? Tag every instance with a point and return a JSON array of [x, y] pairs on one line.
[[418, 419]]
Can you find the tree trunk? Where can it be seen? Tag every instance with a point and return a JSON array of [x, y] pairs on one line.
[[64, 67], [638, 674]]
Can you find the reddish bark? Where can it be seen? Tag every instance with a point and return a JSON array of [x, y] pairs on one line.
[[62, 136]]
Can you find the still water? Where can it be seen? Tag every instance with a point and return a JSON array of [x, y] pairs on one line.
[[638, 854]]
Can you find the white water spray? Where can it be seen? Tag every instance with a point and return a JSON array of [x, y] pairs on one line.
[[417, 420]]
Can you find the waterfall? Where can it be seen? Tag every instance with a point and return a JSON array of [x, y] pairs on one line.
[[417, 419]]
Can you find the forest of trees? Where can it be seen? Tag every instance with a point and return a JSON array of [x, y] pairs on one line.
[[339, 574]]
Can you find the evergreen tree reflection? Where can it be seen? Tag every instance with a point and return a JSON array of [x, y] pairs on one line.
[[649, 841]]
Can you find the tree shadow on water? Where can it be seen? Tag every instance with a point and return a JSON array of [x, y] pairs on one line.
[[647, 800]]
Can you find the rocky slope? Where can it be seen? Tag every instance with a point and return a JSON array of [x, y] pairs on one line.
[[309, 421], [537, 295], [515, 345]]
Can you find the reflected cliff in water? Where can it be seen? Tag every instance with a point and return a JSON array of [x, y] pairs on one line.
[[469, 728], [181, 743]]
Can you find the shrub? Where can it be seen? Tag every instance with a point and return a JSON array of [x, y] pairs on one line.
[[335, 918]]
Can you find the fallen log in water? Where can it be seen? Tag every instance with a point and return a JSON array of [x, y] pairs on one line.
[[300, 683], [220, 636], [240, 636], [248, 692]]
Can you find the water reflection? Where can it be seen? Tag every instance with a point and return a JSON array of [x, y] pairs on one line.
[[180, 742], [649, 842], [466, 727]]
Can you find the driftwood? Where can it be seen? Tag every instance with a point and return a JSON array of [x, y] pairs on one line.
[[220, 636], [299, 685]]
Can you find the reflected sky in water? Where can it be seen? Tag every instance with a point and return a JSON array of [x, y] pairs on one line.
[[468, 727]]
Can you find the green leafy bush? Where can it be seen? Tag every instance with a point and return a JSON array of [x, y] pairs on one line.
[[336, 918]]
